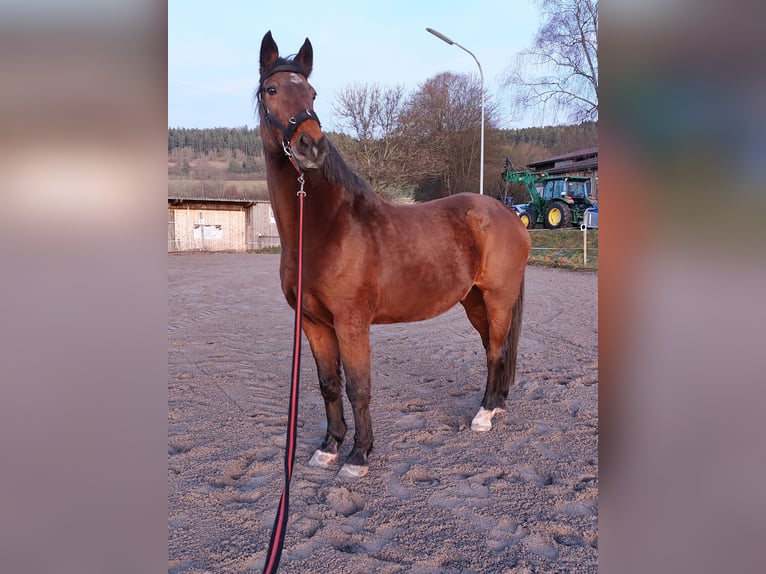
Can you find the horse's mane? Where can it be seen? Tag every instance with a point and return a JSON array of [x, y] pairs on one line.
[[334, 168], [338, 172]]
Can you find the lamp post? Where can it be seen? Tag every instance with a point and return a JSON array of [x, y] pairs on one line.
[[481, 75]]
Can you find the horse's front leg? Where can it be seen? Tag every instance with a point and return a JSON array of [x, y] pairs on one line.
[[355, 351], [324, 347]]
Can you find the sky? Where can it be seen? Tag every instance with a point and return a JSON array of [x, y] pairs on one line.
[[213, 50]]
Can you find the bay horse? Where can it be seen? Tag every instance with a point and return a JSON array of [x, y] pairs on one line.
[[367, 261]]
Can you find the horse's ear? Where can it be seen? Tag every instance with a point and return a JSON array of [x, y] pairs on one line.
[[269, 52], [305, 57]]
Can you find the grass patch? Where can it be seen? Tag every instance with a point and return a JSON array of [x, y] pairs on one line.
[[563, 248], [273, 250], [218, 188]]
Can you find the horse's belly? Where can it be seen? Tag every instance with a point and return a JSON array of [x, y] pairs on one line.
[[404, 305]]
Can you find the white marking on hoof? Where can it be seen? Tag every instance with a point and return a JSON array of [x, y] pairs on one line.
[[352, 471], [323, 459], [482, 422]]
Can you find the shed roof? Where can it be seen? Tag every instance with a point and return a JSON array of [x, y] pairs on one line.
[[583, 165], [178, 200], [590, 153]]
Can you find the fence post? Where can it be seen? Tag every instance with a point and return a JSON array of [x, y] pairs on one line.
[[584, 244]]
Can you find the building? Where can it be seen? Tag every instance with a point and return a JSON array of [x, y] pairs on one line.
[[580, 162], [220, 225]]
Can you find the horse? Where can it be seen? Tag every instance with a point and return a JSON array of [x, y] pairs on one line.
[[367, 261]]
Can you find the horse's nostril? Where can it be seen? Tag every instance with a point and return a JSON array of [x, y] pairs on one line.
[[304, 143], [309, 153]]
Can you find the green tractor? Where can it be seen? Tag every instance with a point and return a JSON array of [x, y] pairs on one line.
[[556, 201]]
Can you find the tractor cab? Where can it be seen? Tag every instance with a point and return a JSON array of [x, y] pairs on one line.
[[573, 189]]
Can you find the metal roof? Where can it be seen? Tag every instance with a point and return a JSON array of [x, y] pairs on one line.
[[583, 165], [587, 154], [176, 201]]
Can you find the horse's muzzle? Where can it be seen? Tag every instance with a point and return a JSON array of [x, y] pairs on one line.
[[309, 153]]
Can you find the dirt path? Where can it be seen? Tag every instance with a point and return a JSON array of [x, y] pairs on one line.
[[439, 497]]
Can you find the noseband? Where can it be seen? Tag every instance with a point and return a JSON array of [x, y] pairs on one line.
[[294, 122]]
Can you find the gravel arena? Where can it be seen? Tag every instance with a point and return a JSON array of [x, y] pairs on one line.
[[439, 498]]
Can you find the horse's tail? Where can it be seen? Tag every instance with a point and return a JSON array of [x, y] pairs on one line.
[[511, 343]]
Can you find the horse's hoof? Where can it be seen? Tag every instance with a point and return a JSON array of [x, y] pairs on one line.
[[353, 471], [323, 459], [482, 422]]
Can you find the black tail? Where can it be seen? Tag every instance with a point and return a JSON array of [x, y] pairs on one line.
[[511, 344]]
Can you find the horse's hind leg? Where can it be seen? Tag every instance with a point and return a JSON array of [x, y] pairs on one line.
[[502, 322], [324, 346], [476, 310], [473, 303]]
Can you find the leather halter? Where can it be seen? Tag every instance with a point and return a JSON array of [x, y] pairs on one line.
[[292, 123]]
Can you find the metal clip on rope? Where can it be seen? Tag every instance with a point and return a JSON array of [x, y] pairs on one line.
[[301, 180]]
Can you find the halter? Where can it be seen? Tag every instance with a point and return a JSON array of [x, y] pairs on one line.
[[294, 122]]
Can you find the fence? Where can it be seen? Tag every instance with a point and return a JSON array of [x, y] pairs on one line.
[[570, 248]]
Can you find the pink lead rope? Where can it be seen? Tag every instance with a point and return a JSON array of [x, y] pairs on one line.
[[280, 522]]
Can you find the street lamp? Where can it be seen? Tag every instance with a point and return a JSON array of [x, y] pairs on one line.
[[481, 75]]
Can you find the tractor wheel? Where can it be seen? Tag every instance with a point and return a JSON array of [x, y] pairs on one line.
[[557, 215], [526, 219], [532, 213]]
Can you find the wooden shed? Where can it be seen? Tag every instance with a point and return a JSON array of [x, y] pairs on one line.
[[220, 225]]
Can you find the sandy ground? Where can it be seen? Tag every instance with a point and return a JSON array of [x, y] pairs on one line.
[[439, 497]]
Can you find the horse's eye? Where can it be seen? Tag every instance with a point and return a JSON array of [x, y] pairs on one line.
[[271, 90]]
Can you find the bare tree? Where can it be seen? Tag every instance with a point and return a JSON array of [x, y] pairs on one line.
[[441, 122], [370, 115], [560, 70], [429, 141]]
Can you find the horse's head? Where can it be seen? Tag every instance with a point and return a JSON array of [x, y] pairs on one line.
[[286, 105]]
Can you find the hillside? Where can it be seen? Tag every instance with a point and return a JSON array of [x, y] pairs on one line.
[[228, 162]]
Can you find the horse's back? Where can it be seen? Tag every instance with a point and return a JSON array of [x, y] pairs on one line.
[[430, 255], [465, 226], [493, 228]]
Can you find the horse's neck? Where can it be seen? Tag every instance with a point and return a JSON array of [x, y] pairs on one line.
[[328, 198], [320, 206], [282, 180]]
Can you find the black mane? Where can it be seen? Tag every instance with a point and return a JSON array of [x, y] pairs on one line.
[[338, 172]]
